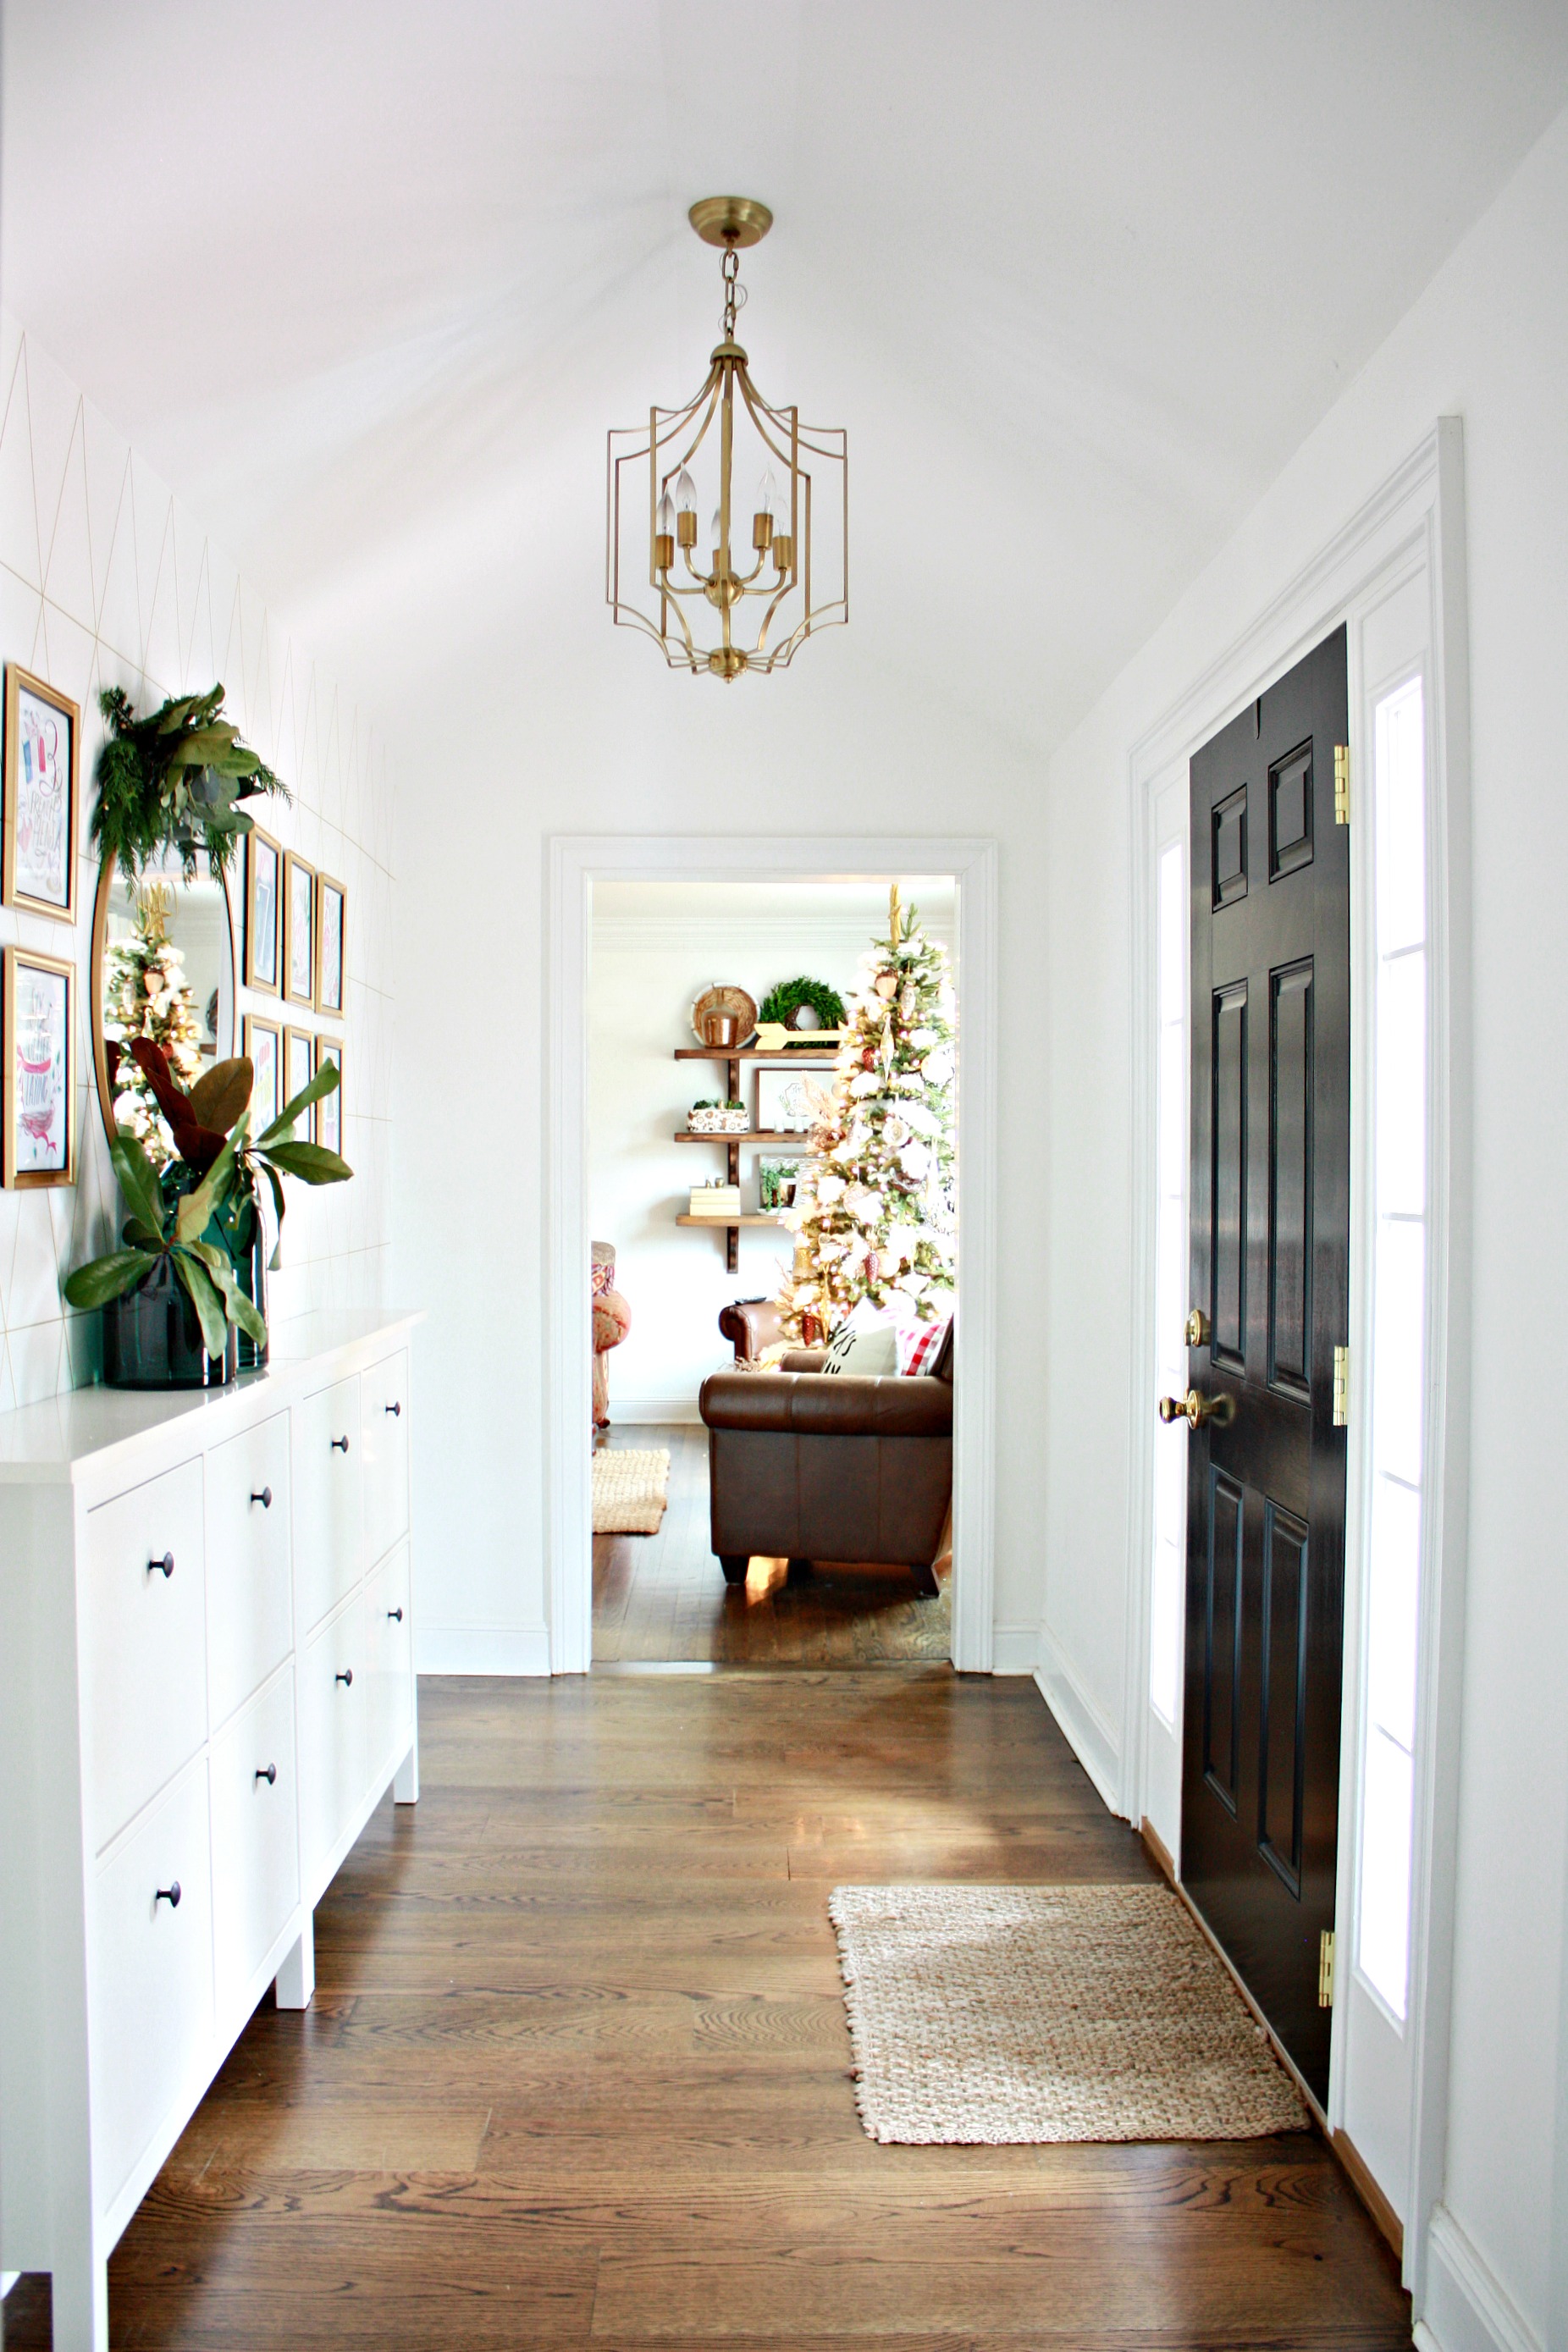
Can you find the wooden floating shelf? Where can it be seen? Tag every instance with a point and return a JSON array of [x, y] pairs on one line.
[[728, 1224], [755, 1134], [753, 1053]]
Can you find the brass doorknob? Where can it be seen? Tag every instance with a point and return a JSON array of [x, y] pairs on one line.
[[1195, 1409]]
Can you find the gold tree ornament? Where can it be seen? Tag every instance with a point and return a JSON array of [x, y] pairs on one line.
[[773, 567]]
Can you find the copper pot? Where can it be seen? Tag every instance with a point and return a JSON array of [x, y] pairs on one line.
[[720, 1029]]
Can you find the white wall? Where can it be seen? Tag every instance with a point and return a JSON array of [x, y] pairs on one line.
[[656, 946], [1488, 341], [106, 579]]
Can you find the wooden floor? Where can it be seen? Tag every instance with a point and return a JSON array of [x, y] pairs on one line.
[[664, 1597], [577, 2070]]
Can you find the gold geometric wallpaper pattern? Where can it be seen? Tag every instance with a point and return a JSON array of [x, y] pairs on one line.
[[106, 579]]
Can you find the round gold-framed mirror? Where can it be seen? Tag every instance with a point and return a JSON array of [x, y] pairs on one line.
[[163, 965]]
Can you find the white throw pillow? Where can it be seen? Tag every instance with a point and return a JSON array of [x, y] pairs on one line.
[[871, 1353]]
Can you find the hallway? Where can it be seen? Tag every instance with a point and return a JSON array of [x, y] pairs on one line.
[[576, 2070]]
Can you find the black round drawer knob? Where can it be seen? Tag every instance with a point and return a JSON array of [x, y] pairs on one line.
[[394, 1409], [267, 1773], [165, 1566], [169, 1894], [340, 1445], [347, 1675], [397, 1614], [264, 1499]]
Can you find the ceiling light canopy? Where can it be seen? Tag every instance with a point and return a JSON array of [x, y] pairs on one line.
[[790, 574]]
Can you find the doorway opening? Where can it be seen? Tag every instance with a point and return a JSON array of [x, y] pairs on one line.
[[701, 1123], [640, 1114]]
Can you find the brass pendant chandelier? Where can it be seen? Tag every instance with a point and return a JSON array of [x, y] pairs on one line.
[[799, 546]]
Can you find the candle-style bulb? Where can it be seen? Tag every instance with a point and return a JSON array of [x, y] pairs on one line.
[[685, 492], [665, 522], [768, 494], [715, 529]]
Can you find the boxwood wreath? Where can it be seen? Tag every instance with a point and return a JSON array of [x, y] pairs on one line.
[[173, 781], [787, 1000]]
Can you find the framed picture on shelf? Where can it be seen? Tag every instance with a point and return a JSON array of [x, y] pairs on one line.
[[330, 1110], [38, 870], [37, 1036], [789, 1101], [299, 1069], [776, 1183], [330, 912], [264, 1045], [263, 875], [298, 931]]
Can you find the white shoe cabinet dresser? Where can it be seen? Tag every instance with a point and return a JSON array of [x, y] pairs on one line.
[[206, 1686]]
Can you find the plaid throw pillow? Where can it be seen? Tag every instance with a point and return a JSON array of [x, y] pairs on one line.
[[920, 1344]]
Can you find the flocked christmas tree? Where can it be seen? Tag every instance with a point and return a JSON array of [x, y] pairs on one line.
[[147, 995], [874, 1212]]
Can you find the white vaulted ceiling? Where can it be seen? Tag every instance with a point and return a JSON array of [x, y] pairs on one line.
[[367, 281]]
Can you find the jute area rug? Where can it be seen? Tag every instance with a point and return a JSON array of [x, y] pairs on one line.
[[989, 2014], [629, 1491]]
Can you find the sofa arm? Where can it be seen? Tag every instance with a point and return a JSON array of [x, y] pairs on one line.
[[751, 1325], [820, 1404], [801, 1359]]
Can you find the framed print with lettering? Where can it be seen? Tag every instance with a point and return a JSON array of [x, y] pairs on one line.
[[263, 929], [330, 1110], [331, 910], [38, 1038], [298, 931], [299, 1069], [264, 1044], [38, 863]]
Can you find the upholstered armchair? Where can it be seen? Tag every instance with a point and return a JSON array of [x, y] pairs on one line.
[[805, 1464]]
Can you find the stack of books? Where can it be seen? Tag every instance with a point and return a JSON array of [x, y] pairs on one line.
[[715, 1200]]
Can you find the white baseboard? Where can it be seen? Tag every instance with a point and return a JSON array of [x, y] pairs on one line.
[[1466, 2308], [1014, 1648], [481, 1650], [637, 1411], [1089, 1735]]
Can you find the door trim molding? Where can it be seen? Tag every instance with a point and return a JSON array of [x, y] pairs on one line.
[[1414, 518], [575, 861]]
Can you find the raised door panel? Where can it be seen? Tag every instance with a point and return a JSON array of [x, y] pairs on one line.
[[249, 1601], [144, 1683], [389, 1641], [383, 1424], [331, 1694], [150, 1977], [255, 1836], [327, 1502]]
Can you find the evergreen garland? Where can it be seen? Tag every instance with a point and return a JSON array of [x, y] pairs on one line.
[[874, 1215], [173, 781]]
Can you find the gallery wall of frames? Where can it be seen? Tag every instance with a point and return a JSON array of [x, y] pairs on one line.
[[106, 580]]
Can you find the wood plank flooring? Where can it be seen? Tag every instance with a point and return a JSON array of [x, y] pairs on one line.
[[663, 1597], [577, 2070]]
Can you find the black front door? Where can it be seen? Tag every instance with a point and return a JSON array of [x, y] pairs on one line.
[[1271, 1246]]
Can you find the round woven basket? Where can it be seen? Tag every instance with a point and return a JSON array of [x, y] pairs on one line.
[[724, 1018]]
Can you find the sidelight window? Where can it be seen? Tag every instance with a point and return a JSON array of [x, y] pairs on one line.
[[1399, 1386]]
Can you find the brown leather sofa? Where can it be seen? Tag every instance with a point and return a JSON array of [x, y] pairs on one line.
[[807, 1464], [751, 1325]]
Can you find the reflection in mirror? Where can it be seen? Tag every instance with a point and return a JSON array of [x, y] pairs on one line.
[[163, 953]]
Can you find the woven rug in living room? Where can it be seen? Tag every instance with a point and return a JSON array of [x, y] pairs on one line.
[[984, 2015], [630, 1487]]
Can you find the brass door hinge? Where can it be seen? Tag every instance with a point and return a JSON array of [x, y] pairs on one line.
[[1341, 783], [1325, 1969], [1341, 1388]]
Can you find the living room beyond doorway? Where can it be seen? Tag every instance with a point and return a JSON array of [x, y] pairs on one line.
[[772, 1303]]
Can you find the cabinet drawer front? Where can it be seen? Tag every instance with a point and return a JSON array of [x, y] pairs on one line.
[[149, 1978], [250, 1603], [256, 1837], [145, 1669], [332, 1689], [327, 1507], [389, 1638], [384, 1421]]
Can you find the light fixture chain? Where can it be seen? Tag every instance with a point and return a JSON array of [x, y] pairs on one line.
[[735, 292]]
